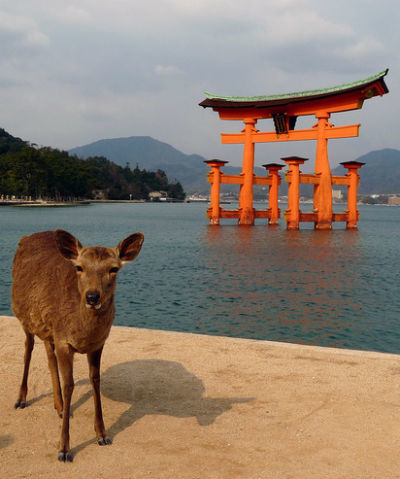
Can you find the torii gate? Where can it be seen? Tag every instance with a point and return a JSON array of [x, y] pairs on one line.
[[284, 110]]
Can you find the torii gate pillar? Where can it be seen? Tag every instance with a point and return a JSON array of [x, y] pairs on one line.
[[323, 190], [215, 172], [273, 194], [353, 182], [292, 214], [246, 189]]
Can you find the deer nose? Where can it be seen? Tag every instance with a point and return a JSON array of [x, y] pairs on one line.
[[92, 298]]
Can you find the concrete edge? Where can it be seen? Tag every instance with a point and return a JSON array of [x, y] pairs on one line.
[[267, 343]]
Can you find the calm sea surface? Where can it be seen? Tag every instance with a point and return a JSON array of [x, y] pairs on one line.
[[332, 288]]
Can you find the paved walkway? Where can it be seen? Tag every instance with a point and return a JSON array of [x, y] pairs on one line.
[[187, 406]]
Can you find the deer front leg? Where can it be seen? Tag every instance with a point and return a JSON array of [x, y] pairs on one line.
[[23, 390], [65, 358], [55, 379], [94, 359]]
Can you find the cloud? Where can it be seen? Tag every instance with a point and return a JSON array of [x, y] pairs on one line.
[[23, 47], [20, 33], [76, 14], [298, 26], [80, 70], [166, 70], [360, 49]]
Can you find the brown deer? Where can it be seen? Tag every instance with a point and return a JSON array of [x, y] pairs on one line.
[[63, 293]]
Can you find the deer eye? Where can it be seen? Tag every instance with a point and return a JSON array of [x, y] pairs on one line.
[[79, 268], [114, 270]]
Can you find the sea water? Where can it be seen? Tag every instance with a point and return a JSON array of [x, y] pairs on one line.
[[331, 288]]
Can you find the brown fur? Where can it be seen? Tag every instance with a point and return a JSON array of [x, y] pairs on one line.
[[63, 293]]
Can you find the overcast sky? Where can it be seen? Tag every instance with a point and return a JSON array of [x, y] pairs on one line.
[[73, 72]]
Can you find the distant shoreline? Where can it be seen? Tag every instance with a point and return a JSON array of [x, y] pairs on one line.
[[36, 204], [42, 203]]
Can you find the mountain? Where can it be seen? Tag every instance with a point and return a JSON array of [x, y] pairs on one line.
[[151, 154], [380, 174]]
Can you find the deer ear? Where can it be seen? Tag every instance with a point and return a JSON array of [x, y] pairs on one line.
[[130, 247], [67, 244]]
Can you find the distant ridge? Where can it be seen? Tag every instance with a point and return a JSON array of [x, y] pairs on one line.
[[152, 155], [149, 154], [380, 175]]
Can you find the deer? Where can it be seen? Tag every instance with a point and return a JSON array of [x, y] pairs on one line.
[[63, 293]]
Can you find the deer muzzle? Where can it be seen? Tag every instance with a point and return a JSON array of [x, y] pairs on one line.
[[93, 300]]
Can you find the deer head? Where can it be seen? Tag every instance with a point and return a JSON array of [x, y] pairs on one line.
[[96, 266]]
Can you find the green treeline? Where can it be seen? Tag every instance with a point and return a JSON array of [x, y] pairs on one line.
[[49, 173]]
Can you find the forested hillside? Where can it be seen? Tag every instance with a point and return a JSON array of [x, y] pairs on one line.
[[49, 173]]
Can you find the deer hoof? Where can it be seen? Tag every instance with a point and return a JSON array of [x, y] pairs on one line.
[[65, 456], [104, 441], [20, 405]]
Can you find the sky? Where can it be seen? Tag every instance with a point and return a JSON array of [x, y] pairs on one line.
[[74, 72]]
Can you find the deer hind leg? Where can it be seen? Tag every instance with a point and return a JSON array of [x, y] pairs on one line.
[[29, 344], [55, 378], [65, 358], [94, 373]]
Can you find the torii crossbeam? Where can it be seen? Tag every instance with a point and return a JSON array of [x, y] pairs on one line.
[[284, 110]]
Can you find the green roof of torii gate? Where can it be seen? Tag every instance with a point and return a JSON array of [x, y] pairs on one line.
[[269, 100]]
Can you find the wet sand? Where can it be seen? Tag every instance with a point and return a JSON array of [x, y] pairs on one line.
[[190, 406]]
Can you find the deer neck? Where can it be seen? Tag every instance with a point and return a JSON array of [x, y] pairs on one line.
[[92, 328]]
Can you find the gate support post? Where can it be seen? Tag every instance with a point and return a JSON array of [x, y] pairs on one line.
[[246, 189], [273, 195], [292, 215], [214, 177], [323, 191], [354, 181]]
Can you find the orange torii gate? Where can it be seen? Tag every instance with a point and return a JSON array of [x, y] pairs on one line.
[[284, 110]]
